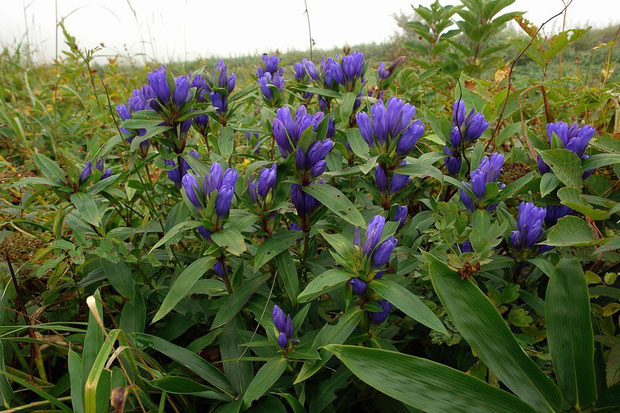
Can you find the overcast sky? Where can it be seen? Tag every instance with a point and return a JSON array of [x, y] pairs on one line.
[[187, 29]]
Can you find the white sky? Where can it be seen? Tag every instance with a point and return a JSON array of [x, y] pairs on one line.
[[187, 29]]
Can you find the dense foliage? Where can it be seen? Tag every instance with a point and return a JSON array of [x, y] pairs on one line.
[[347, 234]]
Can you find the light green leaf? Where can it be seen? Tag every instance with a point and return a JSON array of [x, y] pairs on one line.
[[264, 379], [274, 245], [408, 303], [569, 333], [324, 283], [237, 300], [424, 384], [183, 285], [565, 164], [230, 239], [570, 231], [336, 202], [490, 338], [87, 207]]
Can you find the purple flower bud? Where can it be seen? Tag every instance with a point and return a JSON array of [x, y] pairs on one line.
[[300, 159], [279, 318], [230, 178], [476, 124], [311, 69], [213, 181], [106, 174], [555, 212], [529, 226], [190, 184], [398, 182], [223, 201], [158, 82], [205, 233], [279, 133], [400, 215], [123, 112], [181, 91], [252, 192], [453, 164], [373, 234], [383, 253], [99, 164], [86, 171], [331, 128], [466, 247], [219, 102], [466, 199], [363, 122], [352, 66], [267, 180], [300, 71], [282, 341], [409, 138], [357, 238], [383, 73], [219, 269], [381, 179], [232, 82], [297, 198], [542, 166], [379, 122], [379, 317], [455, 138], [173, 174], [136, 102], [318, 168], [458, 113], [359, 286], [289, 328]]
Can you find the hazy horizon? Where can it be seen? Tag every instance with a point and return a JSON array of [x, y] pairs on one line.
[[190, 29]]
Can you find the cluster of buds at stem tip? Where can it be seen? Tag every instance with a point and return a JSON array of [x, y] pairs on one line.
[[486, 174], [305, 71], [393, 184], [284, 327], [216, 89], [175, 174], [465, 130], [271, 87], [529, 228], [375, 254], [87, 171], [271, 65], [573, 138], [137, 102], [210, 194], [311, 163], [288, 131], [390, 130], [258, 189]]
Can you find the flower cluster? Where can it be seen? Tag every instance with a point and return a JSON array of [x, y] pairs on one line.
[[87, 170], [390, 130], [487, 172], [271, 65], [135, 103], [393, 184], [573, 138], [259, 188], [218, 87], [311, 163], [304, 203], [378, 254], [284, 327], [271, 86], [529, 226], [465, 130], [288, 131], [302, 75], [175, 173], [212, 193]]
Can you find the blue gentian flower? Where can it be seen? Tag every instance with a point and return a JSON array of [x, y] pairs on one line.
[[488, 171], [529, 226], [379, 317]]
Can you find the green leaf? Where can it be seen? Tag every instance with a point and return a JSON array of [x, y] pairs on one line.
[[288, 274], [330, 334], [420, 170], [226, 142], [600, 159], [183, 385], [572, 198], [274, 245], [87, 207], [119, 276], [548, 183], [565, 164], [337, 202], [264, 379], [490, 338], [177, 229], [93, 389], [324, 283], [569, 333], [346, 107], [186, 358], [424, 384], [76, 378], [230, 239], [514, 187], [183, 285], [48, 167], [408, 303], [570, 231], [237, 299], [357, 143]]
